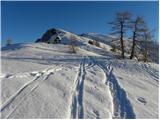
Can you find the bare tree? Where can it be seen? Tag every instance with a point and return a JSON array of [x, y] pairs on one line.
[[119, 27], [147, 41], [114, 45], [145, 45], [73, 43], [137, 27]]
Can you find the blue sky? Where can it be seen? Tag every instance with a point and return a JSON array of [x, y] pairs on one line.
[[24, 22]]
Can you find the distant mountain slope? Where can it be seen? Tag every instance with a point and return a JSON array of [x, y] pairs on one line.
[[107, 39]]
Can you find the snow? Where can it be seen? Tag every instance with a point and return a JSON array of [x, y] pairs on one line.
[[146, 86], [41, 80]]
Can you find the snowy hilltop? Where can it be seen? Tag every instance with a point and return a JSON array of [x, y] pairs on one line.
[[64, 75]]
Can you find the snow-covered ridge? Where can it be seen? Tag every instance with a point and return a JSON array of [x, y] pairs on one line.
[[42, 80]]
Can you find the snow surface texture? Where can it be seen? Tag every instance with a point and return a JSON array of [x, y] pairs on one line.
[[49, 81]]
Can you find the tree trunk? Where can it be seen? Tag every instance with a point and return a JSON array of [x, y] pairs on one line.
[[121, 40], [146, 50], [133, 45]]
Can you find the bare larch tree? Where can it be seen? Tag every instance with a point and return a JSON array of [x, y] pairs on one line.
[[137, 27], [119, 28], [73, 43], [147, 41]]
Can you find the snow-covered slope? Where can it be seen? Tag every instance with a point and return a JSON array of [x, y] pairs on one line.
[[107, 40], [43, 80]]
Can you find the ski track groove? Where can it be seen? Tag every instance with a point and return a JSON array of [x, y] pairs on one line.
[[122, 107], [11, 98], [150, 72], [77, 110], [26, 88]]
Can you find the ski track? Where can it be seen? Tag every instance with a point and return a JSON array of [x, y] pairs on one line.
[[122, 107], [7, 102], [151, 73], [90, 63], [19, 75], [77, 109], [25, 91]]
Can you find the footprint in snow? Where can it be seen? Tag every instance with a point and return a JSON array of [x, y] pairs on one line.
[[8, 76], [34, 73], [120, 78], [142, 100], [63, 74]]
